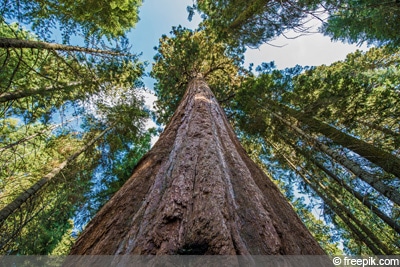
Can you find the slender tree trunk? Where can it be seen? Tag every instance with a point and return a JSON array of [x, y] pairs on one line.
[[336, 205], [19, 43], [197, 192], [353, 226], [30, 137], [383, 159], [360, 197], [364, 233], [388, 191], [363, 200], [15, 95], [393, 133], [23, 197], [378, 128]]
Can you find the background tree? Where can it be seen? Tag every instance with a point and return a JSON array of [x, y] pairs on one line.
[[121, 150], [47, 164], [286, 120], [31, 216], [359, 95], [36, 82]]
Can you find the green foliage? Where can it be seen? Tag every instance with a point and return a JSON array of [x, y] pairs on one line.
[[187, 54], [255, 22], [321, 232], [359, 21], [119, 166], [19, 165], [39, 81], [63, 247], [270, 84], [36, 84], [93, 19], [37, 87], [360, 94], [123, 146], [47, 214], [40, 223]]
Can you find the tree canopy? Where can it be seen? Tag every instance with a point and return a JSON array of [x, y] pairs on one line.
[[93, 19], [253, 23], [364, 21], [187, 54]]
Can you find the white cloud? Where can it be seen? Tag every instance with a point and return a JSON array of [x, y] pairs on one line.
[[308, 50]]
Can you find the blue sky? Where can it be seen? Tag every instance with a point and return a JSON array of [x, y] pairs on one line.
[[157, 18]]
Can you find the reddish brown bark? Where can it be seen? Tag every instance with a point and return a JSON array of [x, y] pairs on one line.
[[197, 192]]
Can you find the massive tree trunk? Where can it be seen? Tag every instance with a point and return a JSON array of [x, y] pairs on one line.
[[197, 192]]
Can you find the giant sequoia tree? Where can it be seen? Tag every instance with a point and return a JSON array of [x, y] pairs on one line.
[[196, 191]]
